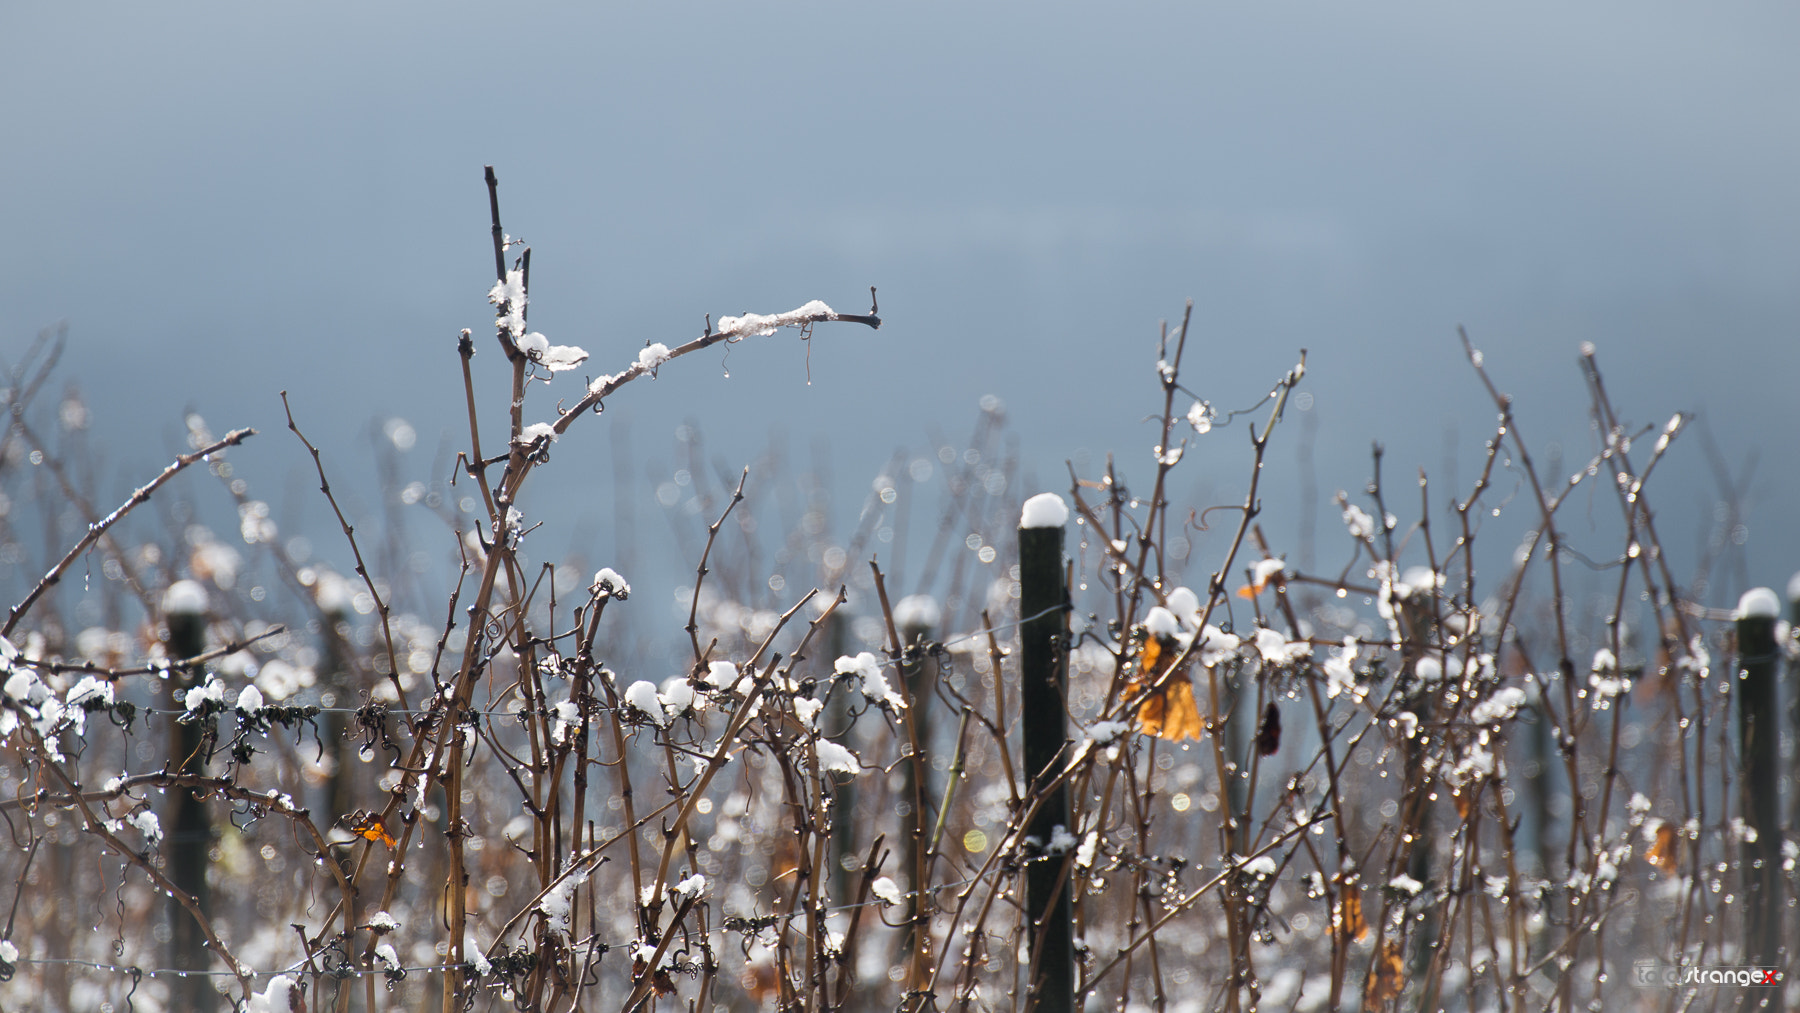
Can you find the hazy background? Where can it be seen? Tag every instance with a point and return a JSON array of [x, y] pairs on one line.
[[226, 200]]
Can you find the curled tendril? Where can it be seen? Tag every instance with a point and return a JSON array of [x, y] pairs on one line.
[[251, 811]]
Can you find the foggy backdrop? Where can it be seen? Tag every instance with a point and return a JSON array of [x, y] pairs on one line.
[[223, 201]]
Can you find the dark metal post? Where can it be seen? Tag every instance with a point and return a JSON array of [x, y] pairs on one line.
[[1759, 742], [1044, 670], [1793, 715], [189, 840], [915, 772]]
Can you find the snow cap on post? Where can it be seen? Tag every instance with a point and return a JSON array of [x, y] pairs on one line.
[[917, 611], [1794, 587], [1045, 510], [1758, 670], [1759, 603], [333, 593], [185, 598]]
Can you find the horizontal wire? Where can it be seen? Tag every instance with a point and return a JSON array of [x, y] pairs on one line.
[[895, 662], [347, 972], [155, 972], [1021, 621]]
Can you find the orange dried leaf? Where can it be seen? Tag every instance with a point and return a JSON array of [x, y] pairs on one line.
[[761, 980], [370, 828], [660, 982], [1152, 653], [1465, 801], [1172, 714], [787, 857], [1663, 851], [1260, 576], [1348, 918], [1387, 979]]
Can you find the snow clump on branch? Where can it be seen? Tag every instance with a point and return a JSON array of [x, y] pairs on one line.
[[653, 355], [642, 697], [836, 758], [536, 431], [608, 580], [759, 324], [558, 901], [554, 358], [870, 681], [509, 297], [275, 998]]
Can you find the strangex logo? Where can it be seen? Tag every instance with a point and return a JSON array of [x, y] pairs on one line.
[[1652, 973]]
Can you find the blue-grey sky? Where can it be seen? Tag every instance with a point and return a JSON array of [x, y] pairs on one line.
[[226, 200]]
